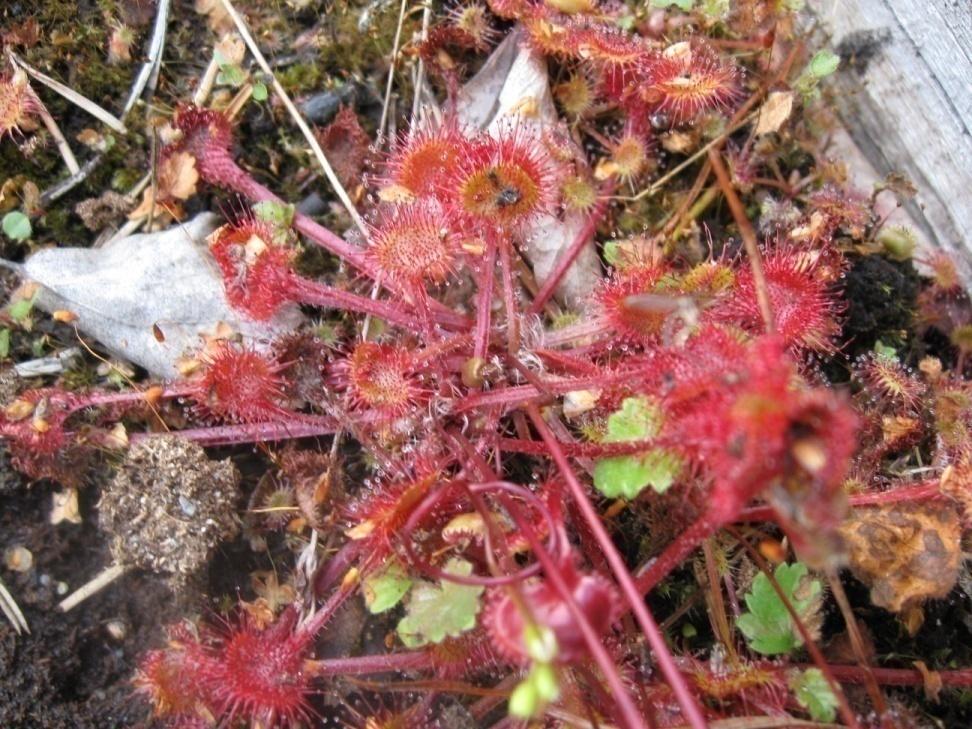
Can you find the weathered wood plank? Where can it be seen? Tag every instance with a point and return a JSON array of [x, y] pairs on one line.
[[905, 95]]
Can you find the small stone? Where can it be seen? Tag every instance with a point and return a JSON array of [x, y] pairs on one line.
[[18, 559], [116, 629]]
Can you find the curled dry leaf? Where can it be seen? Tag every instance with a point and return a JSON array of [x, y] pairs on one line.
[[176, 181], [906, 553], [126, 292]]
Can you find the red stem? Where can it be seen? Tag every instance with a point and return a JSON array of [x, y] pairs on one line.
[[626, 706], [522, 394], [961, 678], [675, 553], [248, 432], [241, 182], [484, 301], [690, 708], [318, 294], [364, 665], [916, 492]]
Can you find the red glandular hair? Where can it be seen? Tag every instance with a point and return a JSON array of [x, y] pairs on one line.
[[207, 135], [684, 81], [256, 269], [239, 384], [801, 295], [34, 427], [613, 298], [378, 514], [421, 161], [412, 244], [244, 673], [618, 57], [18, 103], [889, 384], [502, 181], [379, 378], [739, 410]]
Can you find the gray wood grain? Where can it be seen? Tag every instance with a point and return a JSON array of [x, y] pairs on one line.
[[905, 95]]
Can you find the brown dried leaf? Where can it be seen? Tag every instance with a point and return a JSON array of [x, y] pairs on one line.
[[231, 48], [176, 180], [906, 553], [216, 16]]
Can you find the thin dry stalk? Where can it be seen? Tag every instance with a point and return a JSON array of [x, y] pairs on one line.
[[748, 234], [82, 102], [92, 587], [391, 73], [319, 155], [62, 144], [12, 611]]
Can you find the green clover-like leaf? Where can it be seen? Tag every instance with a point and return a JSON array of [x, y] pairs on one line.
[[768, 626], [683, 5], [814, 694], [437, 611], [384, 589], [638, 419]]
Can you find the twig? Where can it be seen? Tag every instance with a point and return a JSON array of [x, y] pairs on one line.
[[391, 74], [420, 70], [298, 119], [748, 234], [12, 610], [205, 86], [857, 644], [151, 65], [62, 144], [93, 586], [82, 102], [663, 180], [65, 186]]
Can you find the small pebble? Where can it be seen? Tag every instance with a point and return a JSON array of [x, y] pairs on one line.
[[18, 559], [117, 629]]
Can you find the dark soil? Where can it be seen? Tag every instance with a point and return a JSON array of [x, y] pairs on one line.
[[71, 672]]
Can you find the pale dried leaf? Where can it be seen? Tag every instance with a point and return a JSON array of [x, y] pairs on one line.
[[64, 507], [217, 17], [126, 292], [231, 48], [774, 112]]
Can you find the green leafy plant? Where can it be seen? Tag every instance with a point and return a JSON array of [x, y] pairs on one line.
[[767, 625], [814, 694], [16, 226], [638, 419], [438, 611], [383, 590]]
